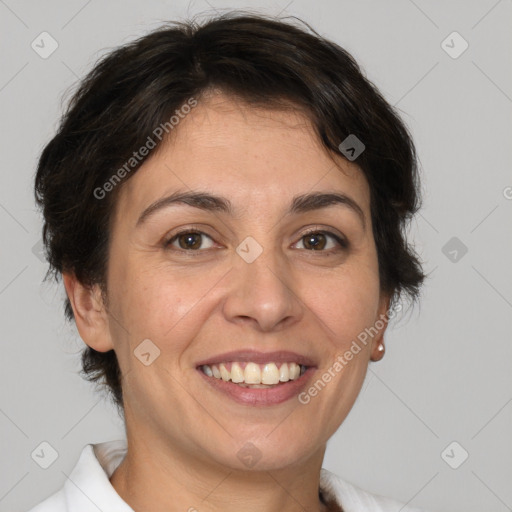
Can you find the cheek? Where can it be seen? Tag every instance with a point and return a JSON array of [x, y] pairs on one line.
[[161, 304], [346, 308], [346, 305]]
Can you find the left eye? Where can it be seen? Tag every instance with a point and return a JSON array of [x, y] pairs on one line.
[[318, 241], [189, 240]]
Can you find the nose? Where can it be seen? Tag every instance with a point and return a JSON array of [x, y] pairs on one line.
[[262, 294]]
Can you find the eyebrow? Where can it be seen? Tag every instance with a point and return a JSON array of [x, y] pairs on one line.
[[209, 202]]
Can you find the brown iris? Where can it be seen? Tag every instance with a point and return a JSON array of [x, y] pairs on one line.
[[190, 240], [315, 241]]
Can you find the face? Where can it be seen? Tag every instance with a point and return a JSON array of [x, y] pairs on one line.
[[269, 271]]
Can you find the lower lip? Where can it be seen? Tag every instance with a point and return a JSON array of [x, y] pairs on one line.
[[260, 396]]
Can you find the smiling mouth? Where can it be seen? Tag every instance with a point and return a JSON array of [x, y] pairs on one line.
[[254, 375]]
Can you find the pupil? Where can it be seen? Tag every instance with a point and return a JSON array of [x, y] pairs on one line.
[[190, 238], [313, 240]]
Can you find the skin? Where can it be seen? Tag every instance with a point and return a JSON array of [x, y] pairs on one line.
[[184, 436]]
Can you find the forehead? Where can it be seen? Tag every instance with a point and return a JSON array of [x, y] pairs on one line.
[[251, 155]]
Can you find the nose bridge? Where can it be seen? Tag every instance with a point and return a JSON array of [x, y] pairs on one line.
[[262, 288]]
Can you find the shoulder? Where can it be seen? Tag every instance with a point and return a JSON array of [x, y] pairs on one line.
[[88, 489], [355, 499]]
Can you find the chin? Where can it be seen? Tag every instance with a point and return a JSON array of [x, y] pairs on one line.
[[265, 453]]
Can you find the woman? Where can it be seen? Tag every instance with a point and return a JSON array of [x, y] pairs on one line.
[[226, 205]]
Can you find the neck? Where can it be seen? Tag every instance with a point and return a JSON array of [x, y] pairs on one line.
[[155, 477]]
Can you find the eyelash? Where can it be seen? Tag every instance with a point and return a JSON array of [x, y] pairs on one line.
[[196, 252]]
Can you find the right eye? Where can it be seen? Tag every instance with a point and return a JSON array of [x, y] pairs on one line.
[[188, 240]]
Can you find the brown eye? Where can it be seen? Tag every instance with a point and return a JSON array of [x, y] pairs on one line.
[[315, 241], [188, 240], [323, 241]]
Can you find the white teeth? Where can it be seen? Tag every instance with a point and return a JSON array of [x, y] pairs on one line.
[[255, 375], [237, 374], [284, 374], [216, 372], [252, 374], [225, 375], [294, 370], [270, 374]]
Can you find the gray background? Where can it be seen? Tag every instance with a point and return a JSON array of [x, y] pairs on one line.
[[446, 373]]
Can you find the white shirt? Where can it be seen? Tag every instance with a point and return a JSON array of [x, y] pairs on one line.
[[88, 488]]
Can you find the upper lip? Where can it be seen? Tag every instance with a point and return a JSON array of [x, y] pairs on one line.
[[255, 356]]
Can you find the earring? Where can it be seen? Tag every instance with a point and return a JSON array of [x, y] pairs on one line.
[[380, 352]]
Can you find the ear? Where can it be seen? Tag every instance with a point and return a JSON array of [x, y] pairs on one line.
[[91, 316], [381, 323]]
